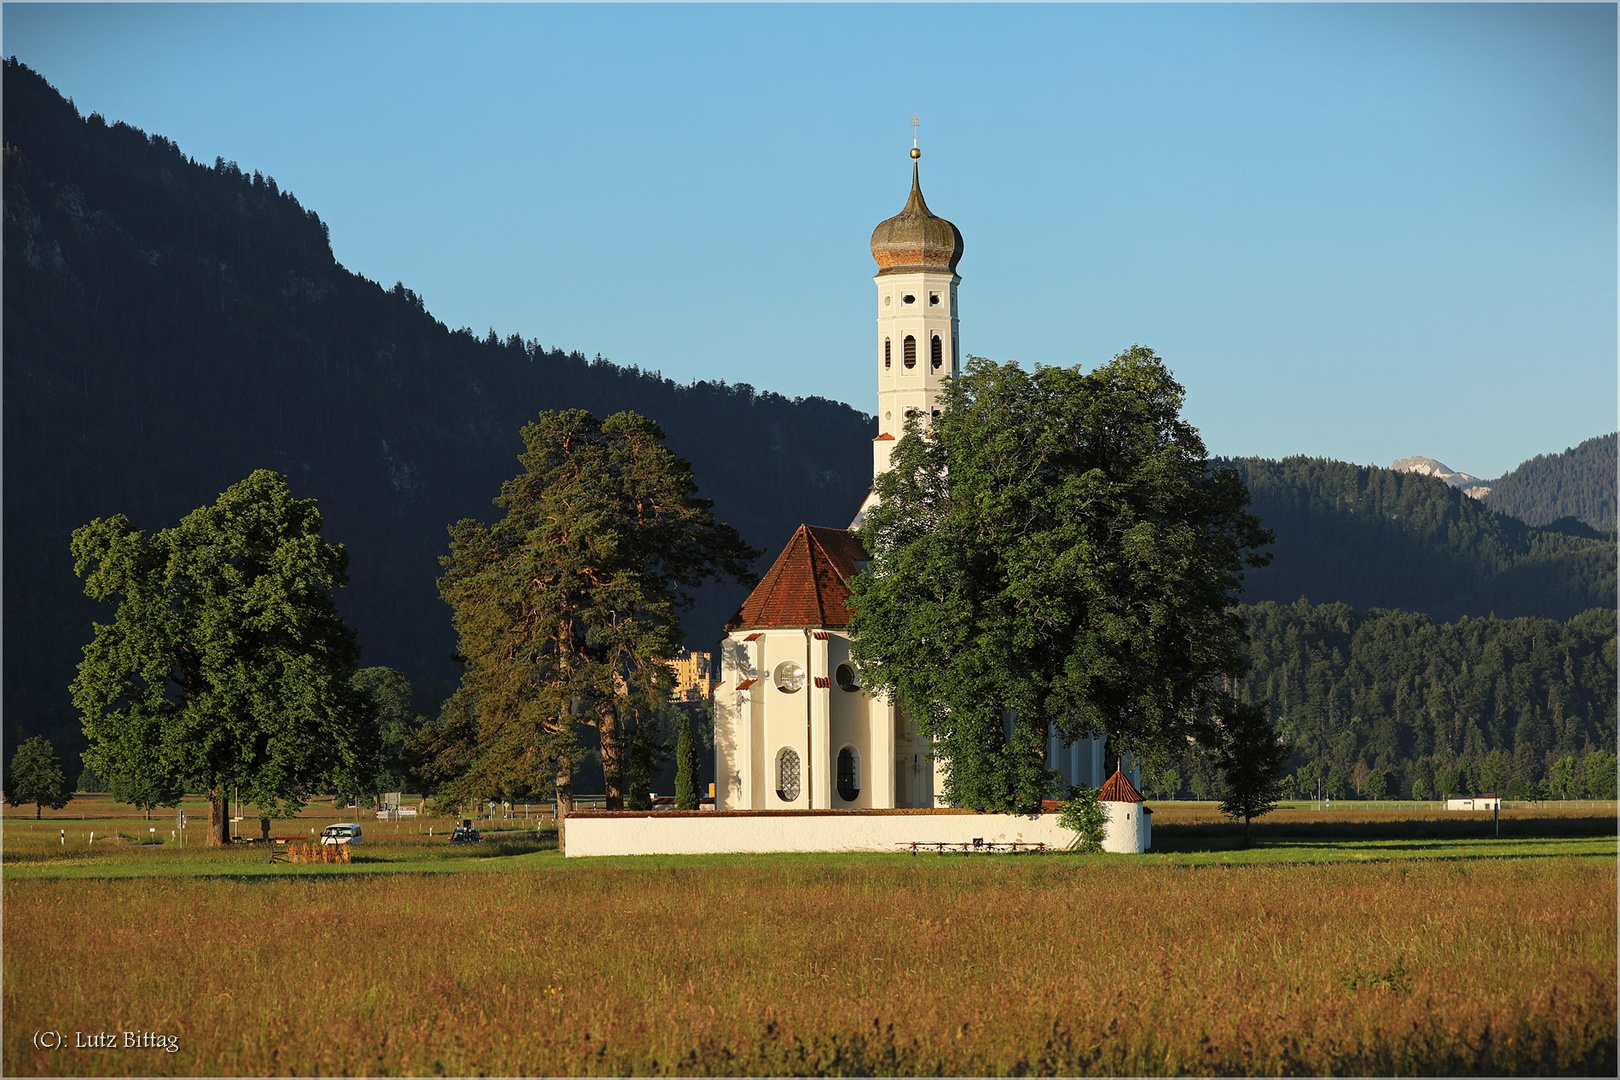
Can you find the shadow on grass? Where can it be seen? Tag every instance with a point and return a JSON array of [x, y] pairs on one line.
[[1228, 836]]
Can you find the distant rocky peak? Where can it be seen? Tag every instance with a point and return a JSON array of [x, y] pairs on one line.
[[1471, 485]]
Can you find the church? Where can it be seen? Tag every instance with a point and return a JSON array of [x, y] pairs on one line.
[[793, 727]]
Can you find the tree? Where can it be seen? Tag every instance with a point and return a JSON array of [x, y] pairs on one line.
[[1054, 550], [646, 752], [397, 724], [1598, 775], [568, 608], [1335, 785], [686, 767], [1561, 777], [1377, 784], [36, 777], [226, 664], [1420, 789], [1251, 756], [1445, 782]]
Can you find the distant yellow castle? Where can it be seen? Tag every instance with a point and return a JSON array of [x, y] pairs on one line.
[[692, 676]]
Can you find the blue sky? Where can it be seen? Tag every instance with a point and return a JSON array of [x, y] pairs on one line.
[[1361, 232]]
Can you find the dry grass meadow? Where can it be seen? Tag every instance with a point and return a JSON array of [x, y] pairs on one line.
[[1391, 957]]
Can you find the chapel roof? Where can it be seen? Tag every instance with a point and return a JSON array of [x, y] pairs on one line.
[[808, 584], [916, 238], [1119, 789]]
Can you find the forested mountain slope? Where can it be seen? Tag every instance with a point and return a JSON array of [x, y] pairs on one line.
[[1578, 483], [1392, 690], [171, 326], [1375, 538]]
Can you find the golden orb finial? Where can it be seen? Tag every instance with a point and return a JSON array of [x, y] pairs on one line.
[[915, 153]]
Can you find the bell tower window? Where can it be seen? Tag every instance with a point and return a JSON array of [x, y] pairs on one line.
[[936, 353], [910, 346], [888, 354]]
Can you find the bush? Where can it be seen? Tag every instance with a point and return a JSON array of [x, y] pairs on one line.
[[1084, 815]]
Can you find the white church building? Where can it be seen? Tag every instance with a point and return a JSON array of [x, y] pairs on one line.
[[794, 729]]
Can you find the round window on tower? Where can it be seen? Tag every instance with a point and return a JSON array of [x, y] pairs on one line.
[[789, 677], [849, 680], [933, 299], [908, 299], [886, 300]]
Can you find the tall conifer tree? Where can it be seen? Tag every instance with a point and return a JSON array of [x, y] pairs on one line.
[[568, 607]]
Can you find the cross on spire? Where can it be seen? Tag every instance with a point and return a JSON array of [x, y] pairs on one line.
[[914, 123]]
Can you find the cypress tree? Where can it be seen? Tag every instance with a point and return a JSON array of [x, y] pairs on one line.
[[686, 768]]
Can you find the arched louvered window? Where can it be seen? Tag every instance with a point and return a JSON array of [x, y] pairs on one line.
[[910, 346], [787, 775], [936, 353], [888, 354], [849, 774]]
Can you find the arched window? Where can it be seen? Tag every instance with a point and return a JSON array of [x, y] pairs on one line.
[[936, 353], [849, 774], [787, 775], [910, 346], [888, 353]]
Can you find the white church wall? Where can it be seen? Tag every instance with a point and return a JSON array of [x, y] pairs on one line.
[[665, 833]]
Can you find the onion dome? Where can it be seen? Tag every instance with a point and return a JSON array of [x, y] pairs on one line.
[[916, 239]]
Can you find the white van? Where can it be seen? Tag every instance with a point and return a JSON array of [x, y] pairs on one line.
[[342, 833]]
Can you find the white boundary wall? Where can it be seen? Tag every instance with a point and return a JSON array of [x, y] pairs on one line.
[[715, 833]]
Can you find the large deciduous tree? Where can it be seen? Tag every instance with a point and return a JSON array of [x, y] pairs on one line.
[[1053, 550], [567, 609], [36, 777], [226, 663]]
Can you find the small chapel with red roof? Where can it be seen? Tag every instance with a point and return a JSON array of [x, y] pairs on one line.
[[794, 728]]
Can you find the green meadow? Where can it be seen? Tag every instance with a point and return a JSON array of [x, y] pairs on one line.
[[1425, 944]]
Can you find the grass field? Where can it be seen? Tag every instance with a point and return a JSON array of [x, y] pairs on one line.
[[1382, 942]]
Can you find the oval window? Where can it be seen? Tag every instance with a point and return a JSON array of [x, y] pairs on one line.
[[849, 774], [908, 299], [787, 775], [848, 678], [789, 677]]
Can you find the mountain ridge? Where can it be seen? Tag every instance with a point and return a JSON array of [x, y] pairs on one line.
[[171, 326]]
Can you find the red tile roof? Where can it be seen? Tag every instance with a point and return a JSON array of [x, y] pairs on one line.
[[1118, 789], [884, 437], [808, 585]]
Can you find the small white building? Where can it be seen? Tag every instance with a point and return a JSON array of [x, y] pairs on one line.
[[1488, 802], [1128, 822], [794, 730]]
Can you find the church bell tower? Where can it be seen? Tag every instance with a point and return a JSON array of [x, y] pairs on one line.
[[917, 346]]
